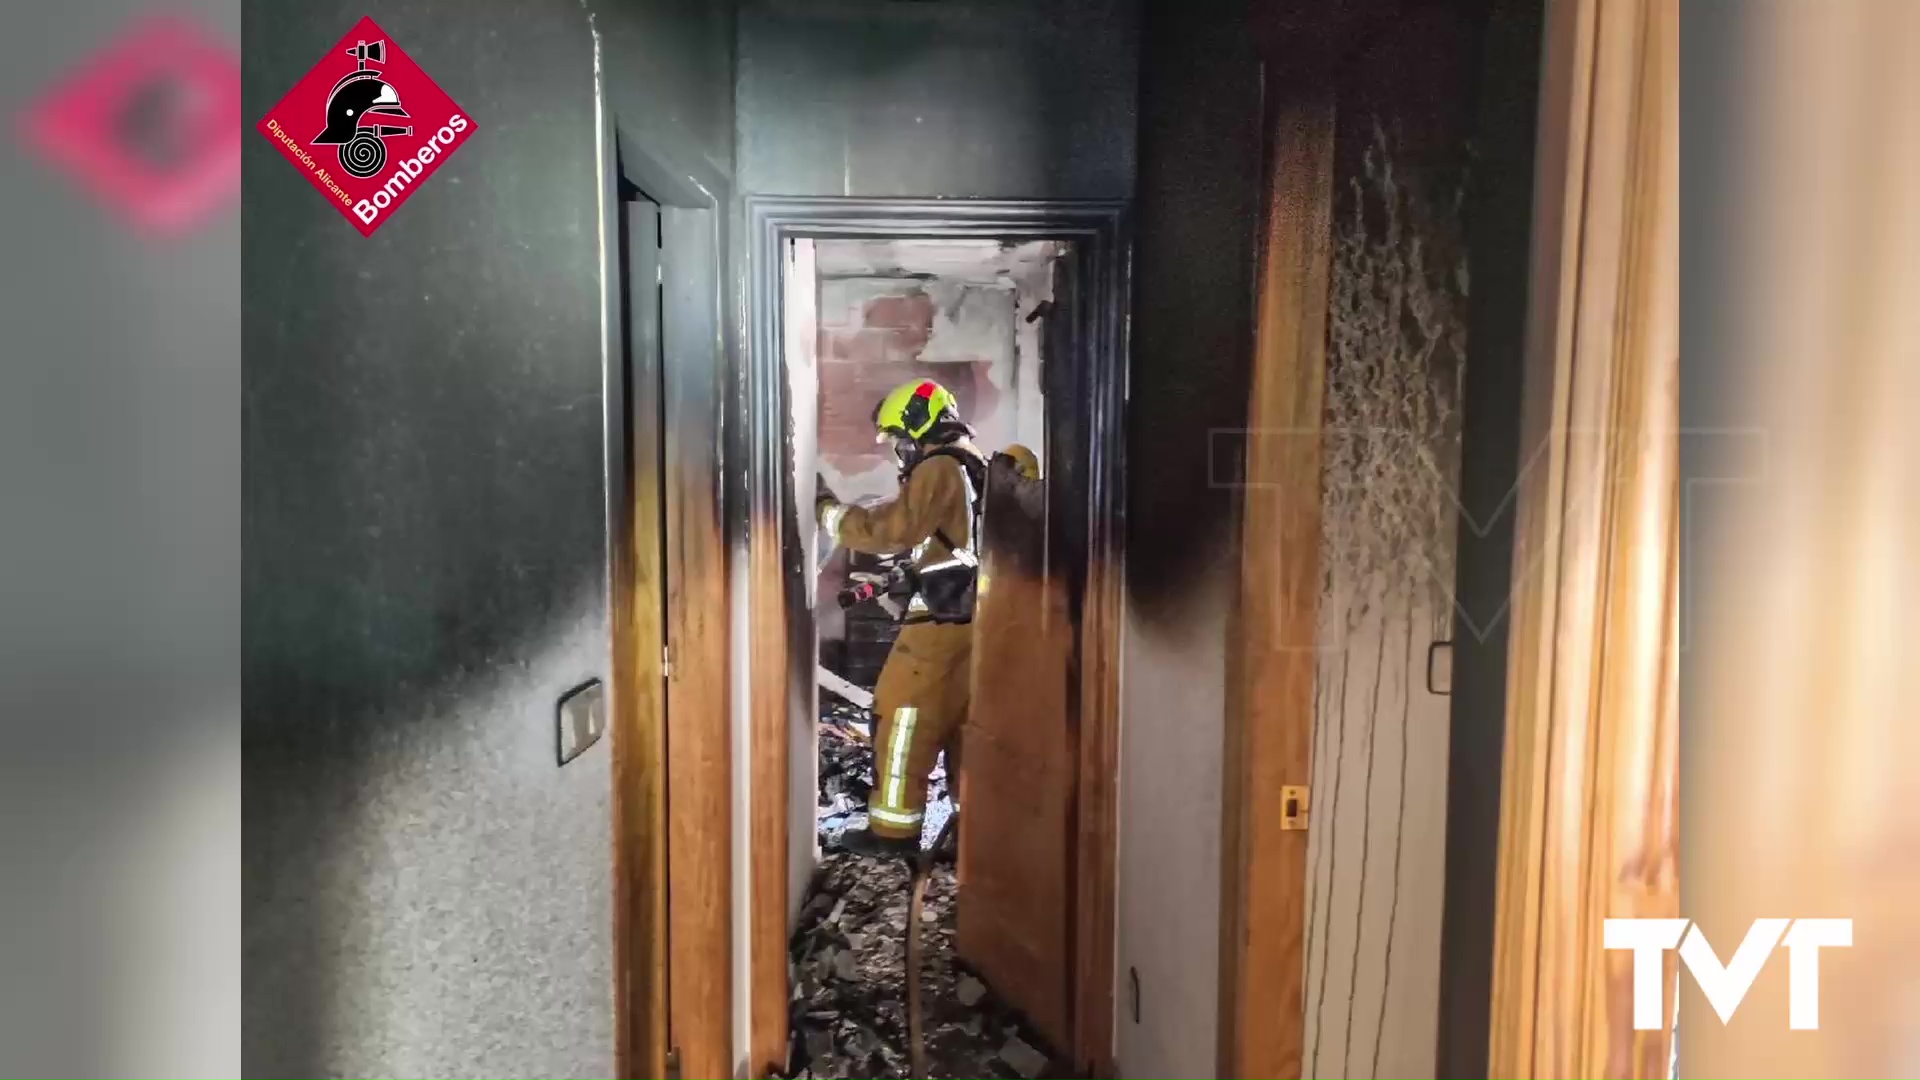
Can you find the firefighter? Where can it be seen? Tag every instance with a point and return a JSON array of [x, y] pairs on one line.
[[920, 702]]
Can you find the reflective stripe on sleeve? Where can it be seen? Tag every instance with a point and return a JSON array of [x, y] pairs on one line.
[[832, 518]]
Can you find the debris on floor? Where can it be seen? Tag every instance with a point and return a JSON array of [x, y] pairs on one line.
[[969, 990], [1025, 1060], [846, 769], [849, 1009], [848, 955]]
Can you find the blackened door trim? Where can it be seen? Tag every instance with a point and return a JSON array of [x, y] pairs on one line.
[[781, 628]]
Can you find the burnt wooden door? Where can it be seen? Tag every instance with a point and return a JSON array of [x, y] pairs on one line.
[[1018, 784]]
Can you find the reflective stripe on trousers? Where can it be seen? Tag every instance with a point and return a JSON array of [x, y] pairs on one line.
[[892, 806], [921, 703]]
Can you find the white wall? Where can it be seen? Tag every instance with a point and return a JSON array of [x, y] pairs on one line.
[[1173, 702], [1376, 855], [1377, 841]]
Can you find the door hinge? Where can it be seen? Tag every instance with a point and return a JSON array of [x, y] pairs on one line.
[[1293, 806], [666, 662], [673, 1063]]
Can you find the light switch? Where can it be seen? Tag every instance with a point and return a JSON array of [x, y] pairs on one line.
[[582, 719], [1440, 668]]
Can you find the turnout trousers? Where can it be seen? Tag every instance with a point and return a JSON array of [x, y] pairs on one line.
[[920, 705]]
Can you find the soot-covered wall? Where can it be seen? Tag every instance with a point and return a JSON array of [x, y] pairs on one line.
[[973, 98], [425, 891], [1195, 222]]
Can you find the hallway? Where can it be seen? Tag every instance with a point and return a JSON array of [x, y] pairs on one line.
[[538, 610], [850, 1015]]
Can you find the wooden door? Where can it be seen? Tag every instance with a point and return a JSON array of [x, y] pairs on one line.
[[639, 622], [1019, 779]]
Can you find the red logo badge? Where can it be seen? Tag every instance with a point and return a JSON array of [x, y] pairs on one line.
[[150, 124], [367, 127]]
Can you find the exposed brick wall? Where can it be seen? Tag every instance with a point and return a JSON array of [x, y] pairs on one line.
[[876, 333]]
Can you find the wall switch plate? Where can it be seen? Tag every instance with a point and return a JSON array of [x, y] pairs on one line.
[[1440, 668], [1295, 802], [582, 719]]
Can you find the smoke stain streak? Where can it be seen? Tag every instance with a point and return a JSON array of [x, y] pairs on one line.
[[1333, 850], [1324, 688], [1325, 691], [1366, 837], [1319, 730], [1399, 846]]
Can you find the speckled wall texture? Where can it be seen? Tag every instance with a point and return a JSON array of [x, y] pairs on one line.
[[1392, 456], [1396, 354]]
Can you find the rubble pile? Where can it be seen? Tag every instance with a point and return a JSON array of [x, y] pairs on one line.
[[848, 955], [849, 1009], [846, 768]]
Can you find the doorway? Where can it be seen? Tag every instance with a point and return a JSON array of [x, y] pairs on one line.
[[1015, 308], [668, 719], [975, 316]]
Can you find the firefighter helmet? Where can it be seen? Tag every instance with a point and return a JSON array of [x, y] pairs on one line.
[[356, 96], [910, 410], [1024, 460]]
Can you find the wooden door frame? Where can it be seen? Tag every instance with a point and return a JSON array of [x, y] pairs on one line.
[[1274, 632], [671, 808], [1589, 807], [781, 628], [1273, 629]]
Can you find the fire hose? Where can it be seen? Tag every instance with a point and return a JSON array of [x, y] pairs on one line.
[[916, 900], [916, 1022], [892, 588]]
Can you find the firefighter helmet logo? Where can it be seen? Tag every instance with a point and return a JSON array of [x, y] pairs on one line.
[[362, 93], [373, 153]]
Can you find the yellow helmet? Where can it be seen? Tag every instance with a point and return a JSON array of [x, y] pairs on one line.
[[911, 409], [1025, 461]]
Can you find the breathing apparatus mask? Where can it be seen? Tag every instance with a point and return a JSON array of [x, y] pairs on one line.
[[906, 452]]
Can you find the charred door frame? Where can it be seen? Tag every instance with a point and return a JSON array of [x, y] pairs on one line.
[[781, 626]]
